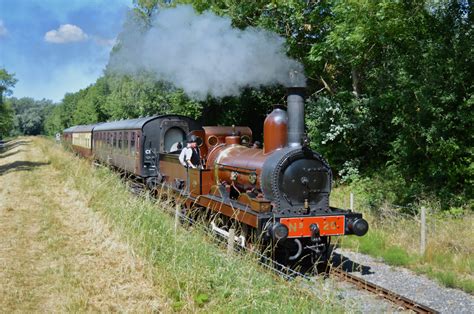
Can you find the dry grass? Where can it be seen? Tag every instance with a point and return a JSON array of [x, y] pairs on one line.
[[56, 254]]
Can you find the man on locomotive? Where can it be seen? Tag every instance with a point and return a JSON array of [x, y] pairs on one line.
[[190, 156]]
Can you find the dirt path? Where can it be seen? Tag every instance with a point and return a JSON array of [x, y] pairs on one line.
[[55, 253]]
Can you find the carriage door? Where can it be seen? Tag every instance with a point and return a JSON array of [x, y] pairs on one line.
[[135, 151]]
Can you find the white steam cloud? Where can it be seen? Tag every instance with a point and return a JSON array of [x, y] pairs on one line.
[[204, 55]]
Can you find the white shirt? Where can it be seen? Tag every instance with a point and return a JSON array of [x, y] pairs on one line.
[[185, 157]]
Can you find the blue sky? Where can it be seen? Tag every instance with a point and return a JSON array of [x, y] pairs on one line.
[[57, 46]]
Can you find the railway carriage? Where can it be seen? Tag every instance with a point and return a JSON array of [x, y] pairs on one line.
[[135, 145], [80, 139], [67, 136]]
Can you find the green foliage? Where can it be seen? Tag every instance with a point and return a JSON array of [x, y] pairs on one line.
[[6, 119], [399, 94], [29, 115], [53, 123], [143, 96], [7, 82]]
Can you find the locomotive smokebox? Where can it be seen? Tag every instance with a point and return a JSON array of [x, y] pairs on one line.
[[295, 110]]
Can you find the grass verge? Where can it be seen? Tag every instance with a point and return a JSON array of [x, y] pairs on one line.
[[194, 273], [449, 255]]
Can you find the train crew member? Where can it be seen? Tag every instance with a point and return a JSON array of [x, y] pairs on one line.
[[190, 156]]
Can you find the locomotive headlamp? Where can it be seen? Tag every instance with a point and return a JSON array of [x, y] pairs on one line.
[[279, 231]]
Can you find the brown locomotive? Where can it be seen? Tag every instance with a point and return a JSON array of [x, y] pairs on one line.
[[279, 193]]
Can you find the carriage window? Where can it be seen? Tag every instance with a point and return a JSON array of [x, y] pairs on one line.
[[114, 139], [125, 142], [173, 140], [120, 140], [132, 144]]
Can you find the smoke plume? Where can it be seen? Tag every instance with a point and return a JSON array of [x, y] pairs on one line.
[[204, 55]]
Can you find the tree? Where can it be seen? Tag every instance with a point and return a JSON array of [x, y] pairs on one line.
[[7, 82], [399, 101], [29, 115]]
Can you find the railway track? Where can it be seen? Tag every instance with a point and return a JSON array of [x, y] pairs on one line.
[[391, 296]]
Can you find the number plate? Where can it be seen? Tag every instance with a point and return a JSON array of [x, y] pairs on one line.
[[328, 226]]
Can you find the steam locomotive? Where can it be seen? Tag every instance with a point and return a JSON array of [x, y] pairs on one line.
[[278, 194]]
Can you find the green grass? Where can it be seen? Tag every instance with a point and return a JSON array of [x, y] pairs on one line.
[[194, 273], [375, 243]]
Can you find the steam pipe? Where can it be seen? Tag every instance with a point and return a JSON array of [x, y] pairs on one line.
[[295, 109]]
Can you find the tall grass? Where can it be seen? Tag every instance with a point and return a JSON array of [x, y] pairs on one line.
[[394, 236], [195, 274]]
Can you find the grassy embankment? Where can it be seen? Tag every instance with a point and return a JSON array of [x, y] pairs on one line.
[[449, 256], [193, 272]]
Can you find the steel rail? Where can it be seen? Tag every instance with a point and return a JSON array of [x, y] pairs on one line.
[[391, 296]]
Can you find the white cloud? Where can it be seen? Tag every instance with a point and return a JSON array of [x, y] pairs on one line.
[[3, 29], [64, 34]]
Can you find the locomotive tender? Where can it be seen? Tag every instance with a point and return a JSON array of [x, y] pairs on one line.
[[279, 193]]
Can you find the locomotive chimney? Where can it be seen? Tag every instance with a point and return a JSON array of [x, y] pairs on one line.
[[295, 115]]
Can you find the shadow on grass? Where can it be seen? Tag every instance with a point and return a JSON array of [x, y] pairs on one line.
[[9, 145], [21, 166], [5, 155]]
